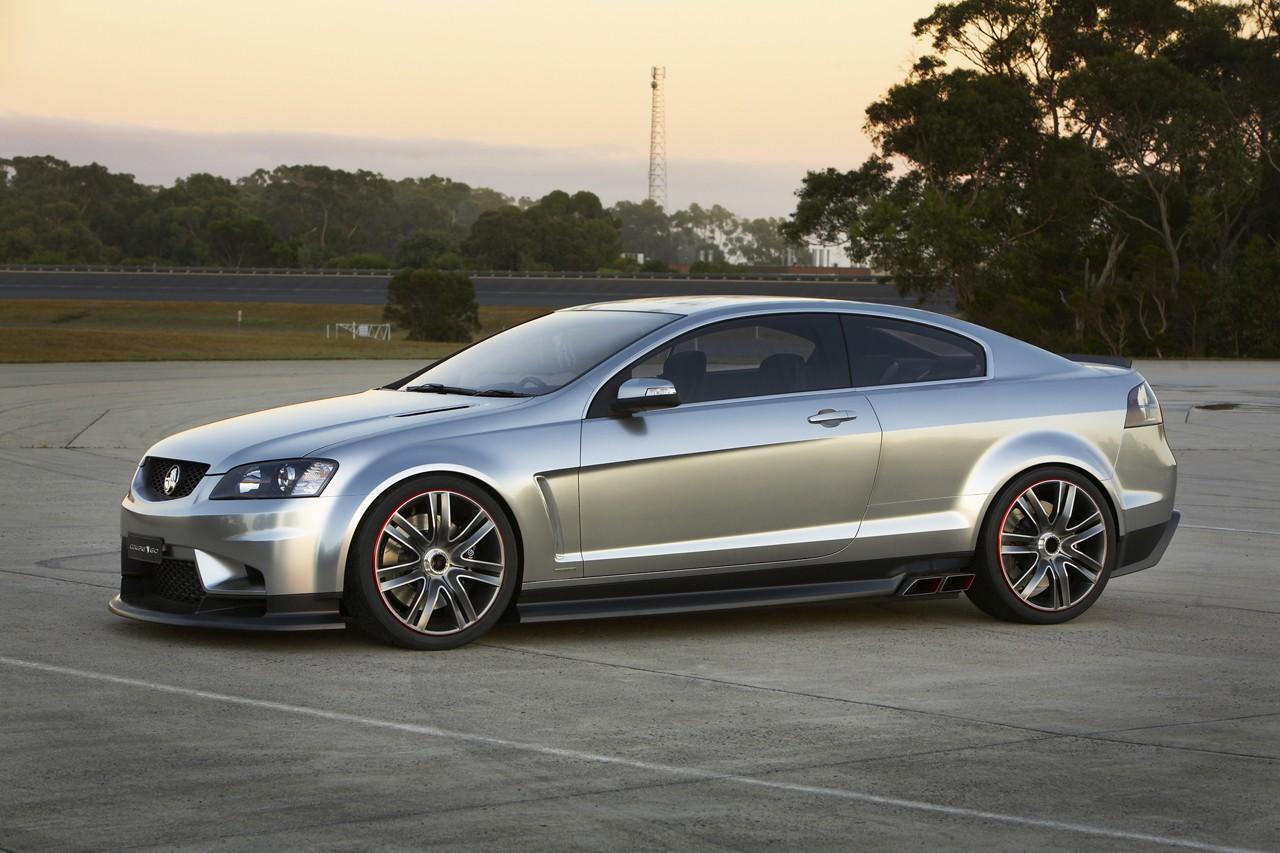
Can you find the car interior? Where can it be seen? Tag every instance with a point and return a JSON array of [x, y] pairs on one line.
[[886, 352], [763, 359], [786, 354]]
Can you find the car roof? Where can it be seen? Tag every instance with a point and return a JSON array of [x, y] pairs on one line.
[[1011, 356], [700, 306]]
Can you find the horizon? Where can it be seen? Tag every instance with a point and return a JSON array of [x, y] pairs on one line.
[[517, 99]]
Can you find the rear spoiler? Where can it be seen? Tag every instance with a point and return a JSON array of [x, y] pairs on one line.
[[1110, 360]]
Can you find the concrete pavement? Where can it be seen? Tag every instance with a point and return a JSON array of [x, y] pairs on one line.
[[1151, 722]]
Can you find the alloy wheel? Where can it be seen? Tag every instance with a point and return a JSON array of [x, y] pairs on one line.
[[1053, 545], [439, 562]]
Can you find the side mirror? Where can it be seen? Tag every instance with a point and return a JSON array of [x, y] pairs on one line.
[[637, 395]]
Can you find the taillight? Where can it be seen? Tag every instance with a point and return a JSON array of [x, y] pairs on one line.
[[1144, 408]]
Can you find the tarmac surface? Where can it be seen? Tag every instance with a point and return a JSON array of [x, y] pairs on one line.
[[556, 291], [1152, 722]]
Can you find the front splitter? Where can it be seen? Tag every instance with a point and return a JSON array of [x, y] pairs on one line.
[[311, 621]]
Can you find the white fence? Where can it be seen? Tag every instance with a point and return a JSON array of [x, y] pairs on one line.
[[375, 331]]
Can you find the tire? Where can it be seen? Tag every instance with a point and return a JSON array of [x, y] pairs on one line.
[[434, 564], [1044, 569]]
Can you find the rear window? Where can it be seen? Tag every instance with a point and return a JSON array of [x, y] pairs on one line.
[[885, 351]]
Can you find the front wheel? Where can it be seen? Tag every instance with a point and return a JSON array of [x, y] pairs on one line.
[[1046, 549], [434, 564]]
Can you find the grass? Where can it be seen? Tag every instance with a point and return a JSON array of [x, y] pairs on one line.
[[40, 330]]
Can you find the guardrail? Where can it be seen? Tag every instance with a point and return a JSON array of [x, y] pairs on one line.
[[746, 275]]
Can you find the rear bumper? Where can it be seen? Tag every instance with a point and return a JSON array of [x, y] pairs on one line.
[[1142, 549]]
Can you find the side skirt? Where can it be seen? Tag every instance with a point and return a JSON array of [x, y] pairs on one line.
[[758, 588]]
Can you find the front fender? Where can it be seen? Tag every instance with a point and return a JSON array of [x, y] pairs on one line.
[[529, 474], [380, 479]]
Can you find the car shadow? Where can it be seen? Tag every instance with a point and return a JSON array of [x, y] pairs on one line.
[[812, 619]]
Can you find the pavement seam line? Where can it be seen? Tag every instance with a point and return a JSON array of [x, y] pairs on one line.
[[1232, 529], [52, 579], [742, 685], [72, 441], [1258, 716], [448, 810], [60, 473], [620, 761], [58, 563], [1045, 734]]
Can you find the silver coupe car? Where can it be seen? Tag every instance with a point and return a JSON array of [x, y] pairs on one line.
[[659, 456]]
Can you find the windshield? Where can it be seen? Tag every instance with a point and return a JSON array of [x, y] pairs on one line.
[[539, 356]]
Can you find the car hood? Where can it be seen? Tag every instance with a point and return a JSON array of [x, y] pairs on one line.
[[303, 428]]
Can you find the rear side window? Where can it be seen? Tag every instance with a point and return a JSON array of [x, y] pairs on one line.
[[885, 351], [755, 357]]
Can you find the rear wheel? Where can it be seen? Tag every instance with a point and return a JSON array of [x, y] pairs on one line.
[[1046, 549], [434, 564]]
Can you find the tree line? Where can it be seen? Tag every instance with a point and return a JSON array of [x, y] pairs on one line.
[[310, 216], [1088, 174], [1092, 175]]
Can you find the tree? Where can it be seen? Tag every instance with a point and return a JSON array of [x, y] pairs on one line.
[[558, 232], [645, 229], [239, 240], [53, 211], [324, 208], [56, 212], [306, 215], [713, 227], [692, 234], [501, 239], [761, 242], [422, 247], [360, 261], [433, 305], [573, 232], [1099, 158]]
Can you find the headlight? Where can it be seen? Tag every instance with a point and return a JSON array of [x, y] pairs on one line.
[[285, 478], [1144, 408]]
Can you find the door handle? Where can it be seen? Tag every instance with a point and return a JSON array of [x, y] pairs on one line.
[[831, 417]]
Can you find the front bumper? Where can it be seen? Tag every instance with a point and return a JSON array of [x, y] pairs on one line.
[[258, 564], [172, 592], [291, 546]]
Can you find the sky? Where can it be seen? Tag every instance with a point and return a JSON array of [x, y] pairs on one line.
[[524, 97]]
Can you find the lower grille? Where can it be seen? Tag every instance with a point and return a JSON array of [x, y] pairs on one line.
[[177, 580]]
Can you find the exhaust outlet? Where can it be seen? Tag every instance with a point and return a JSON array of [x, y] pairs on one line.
[[937, 585], [924, 586]]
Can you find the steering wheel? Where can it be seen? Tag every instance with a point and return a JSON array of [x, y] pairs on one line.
[[534, 384]]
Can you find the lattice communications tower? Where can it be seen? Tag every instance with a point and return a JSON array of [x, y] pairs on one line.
[[658, 137]]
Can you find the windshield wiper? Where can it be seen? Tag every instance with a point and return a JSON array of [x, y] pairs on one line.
[[437, 388], [501, 392]]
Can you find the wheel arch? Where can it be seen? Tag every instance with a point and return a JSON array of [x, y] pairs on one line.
[[1014, 455], [989, 503], [361, 516]]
